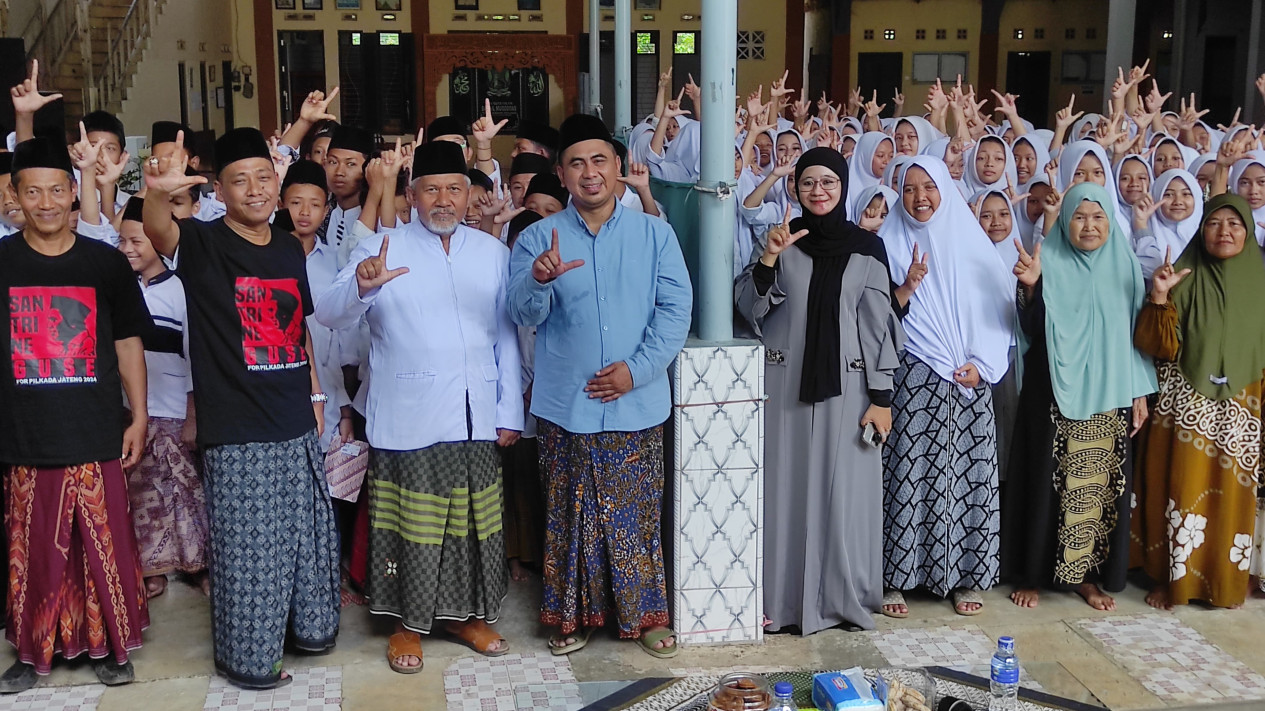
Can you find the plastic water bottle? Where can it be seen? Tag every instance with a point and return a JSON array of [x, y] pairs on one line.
[[1004, 677], [782, 693]]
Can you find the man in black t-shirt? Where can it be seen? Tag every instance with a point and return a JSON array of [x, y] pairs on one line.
[[76, 316], [274, 555]]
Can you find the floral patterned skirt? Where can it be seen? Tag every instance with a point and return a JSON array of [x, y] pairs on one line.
[[168, 504], [603, 554], [1198, 461]]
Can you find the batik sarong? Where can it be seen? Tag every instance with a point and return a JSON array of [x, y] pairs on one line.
[[168, 504], [74, 573], [436, 544], [603, 554], [274, 554]]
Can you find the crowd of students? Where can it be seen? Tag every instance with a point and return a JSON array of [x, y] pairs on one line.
[[994, 353]]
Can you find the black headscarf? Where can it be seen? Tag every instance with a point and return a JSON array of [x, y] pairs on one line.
[[830, 241]]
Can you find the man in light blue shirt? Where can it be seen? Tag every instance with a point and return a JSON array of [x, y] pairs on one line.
[[609, 293]]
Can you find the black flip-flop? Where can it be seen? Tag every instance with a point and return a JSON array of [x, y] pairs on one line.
[[18, 678], [111, 673], [241, 683]]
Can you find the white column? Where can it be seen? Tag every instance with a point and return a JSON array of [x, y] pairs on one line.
[[595, 56], [623, 67], [1120, 19]]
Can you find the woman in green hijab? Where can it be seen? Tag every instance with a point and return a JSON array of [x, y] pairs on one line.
[[1200, 456], [1065, 511]]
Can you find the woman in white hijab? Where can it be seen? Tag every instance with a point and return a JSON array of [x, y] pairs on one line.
[[1170, 154], [913, 134], [1247, 180], [1202, 168], [891, 176], [865, 169], [940, 463], [1133, 181]]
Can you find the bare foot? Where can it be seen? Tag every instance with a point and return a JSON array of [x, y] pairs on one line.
[[154, 586], [1025, 597], [1159, 598], [1096, 598], [518, 573]]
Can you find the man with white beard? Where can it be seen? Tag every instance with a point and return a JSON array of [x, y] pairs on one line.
[[444, 392]]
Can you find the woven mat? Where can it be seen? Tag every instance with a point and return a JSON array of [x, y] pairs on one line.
[[690, 693]]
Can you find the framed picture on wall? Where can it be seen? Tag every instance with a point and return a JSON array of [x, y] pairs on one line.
[[647, 5], [466, 4], [347, 4], [285, 4], [313, 4], [528, 5], [387, 5]]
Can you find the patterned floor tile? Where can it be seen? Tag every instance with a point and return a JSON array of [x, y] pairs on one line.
[[548, 697], [483, 684], [313, 689], [54, 698], [1173, 661], [965, 649]]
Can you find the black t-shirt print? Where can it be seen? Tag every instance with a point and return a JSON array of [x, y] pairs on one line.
[[271, 312], [60, 400], [53, 334], [247, 335]]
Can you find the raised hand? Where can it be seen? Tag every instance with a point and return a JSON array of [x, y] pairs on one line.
[[1137, 75], [373, 273], [166, 175], [898, 98], [108, 173], [1155, 100], [779, 239], [672, 109], [1065, 118], [486, 128], [665, 80], [1165, 278], [1053, 203], [937, 100], [1231, 151], [799, 110], [638, 176], [871, 218], [549, 265], [823, 104], [1189, 115], [1233, 122], [1028, 268], [855, 102], [1006, 103], [872, 107], [779, 86], [1120, 87], [784, 167], [755, 102], [316, 106], [693, 91], [917, 271], [84, 153], [26, 96], [507, 213], [1145, 207], [392, 161], [490, 205]]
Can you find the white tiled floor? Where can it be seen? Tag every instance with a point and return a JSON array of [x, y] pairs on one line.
[[482, 684], [62, 698], [1173, 661], [313, 689]]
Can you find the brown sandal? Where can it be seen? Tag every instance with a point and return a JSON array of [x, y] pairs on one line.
[[404, 644], [479, 636]]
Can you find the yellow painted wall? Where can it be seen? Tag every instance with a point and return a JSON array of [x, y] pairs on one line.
[[1055, 17], [907, 16], [155, 92]]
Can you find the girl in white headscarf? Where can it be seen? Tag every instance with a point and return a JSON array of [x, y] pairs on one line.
[[954, 161], [913, 134], [1133, 181], [891, 176], [989, 164], [1170, 154], [1202, 168], [1177, 207], [865, 169], [873, 205], [1247, 180], [941, 461]]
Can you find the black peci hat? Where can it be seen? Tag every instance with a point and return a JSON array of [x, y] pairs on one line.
[[305, 172], [41, 152], [240, 144], [445, 126], [438, 158]]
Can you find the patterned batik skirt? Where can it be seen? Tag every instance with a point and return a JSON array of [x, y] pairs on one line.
[[436, 545], [274, 554], [603, 554], [168, 504], [940, 502], [74, 573]]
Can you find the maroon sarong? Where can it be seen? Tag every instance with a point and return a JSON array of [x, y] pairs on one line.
[[74, 571]]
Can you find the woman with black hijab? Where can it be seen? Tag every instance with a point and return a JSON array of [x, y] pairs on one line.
[[819, 295]]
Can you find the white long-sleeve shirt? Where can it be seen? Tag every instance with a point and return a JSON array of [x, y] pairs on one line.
[[327, 343], [440, 338]]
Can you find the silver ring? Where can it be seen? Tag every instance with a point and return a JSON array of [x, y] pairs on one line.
[[153, 161]]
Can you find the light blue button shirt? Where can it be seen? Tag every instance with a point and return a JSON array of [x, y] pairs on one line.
[[631, 301]]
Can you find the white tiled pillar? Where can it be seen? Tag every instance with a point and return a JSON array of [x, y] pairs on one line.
[[718, 492]]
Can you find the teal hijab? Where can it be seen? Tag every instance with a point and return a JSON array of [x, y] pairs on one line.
[[1092, 300]]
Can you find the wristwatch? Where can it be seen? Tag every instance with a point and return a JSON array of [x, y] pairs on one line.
[[319, 397]]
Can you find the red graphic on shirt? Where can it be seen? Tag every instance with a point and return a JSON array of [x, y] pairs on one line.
[[53, 331], [272, 323]]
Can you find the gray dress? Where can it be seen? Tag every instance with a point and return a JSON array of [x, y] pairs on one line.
[[823, 492]]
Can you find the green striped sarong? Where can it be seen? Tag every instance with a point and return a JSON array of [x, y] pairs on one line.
[[436, 546]]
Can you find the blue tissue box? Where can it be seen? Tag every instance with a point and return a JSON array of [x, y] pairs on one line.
[[849, 689]]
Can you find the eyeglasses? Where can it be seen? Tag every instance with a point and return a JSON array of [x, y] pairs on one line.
[[827, 184]]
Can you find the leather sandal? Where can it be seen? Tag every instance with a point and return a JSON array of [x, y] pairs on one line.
[[404, 644], [479, 636]]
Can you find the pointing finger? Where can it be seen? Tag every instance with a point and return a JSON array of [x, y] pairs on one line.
[[915, 252], [554, 247], [83, 132], [332, 93], [924, 258], [680, 96], [382, 253], [1168, 256], [786, 219], [487, 108]]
